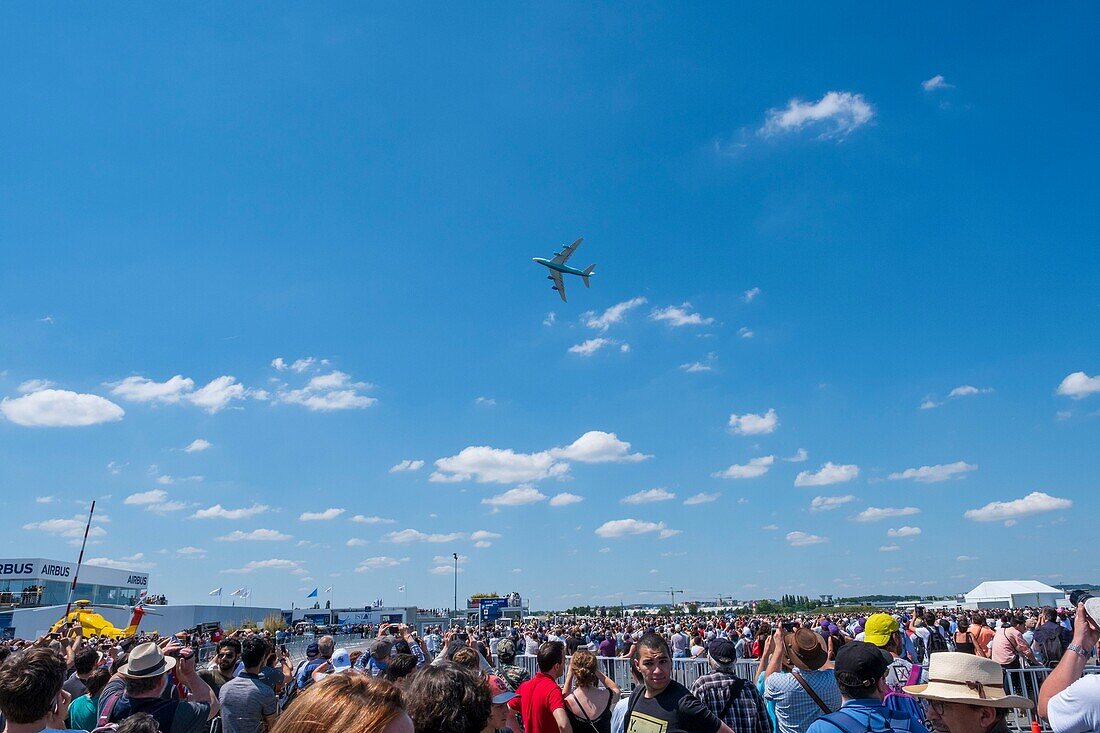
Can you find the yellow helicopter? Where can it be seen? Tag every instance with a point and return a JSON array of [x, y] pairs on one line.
[[94, 624]]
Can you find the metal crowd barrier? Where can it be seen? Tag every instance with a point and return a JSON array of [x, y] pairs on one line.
[[684, 671], [1026, 683], [296, 647]]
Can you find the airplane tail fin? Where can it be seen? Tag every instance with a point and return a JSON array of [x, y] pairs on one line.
[[587, 272]]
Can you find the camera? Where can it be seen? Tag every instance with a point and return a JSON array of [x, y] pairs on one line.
[[1092, 604]]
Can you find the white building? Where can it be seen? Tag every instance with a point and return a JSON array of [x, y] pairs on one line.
[[1013, 594]]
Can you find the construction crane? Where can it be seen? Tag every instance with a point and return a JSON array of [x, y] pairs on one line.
[[671, 590]]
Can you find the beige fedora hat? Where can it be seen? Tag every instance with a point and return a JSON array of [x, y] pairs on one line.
[[146, 660], [969, 679]]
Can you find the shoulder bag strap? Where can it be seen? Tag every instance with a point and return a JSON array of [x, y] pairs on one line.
[[810, 691], [735, 691], [914, 675], [108, 708]]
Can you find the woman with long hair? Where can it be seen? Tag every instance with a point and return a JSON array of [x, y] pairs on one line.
[[588, 706], [347, 703]]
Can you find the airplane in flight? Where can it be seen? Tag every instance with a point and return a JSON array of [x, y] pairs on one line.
[[558, 267]]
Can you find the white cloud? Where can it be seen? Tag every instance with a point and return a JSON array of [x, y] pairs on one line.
[[696, 366], [355, 542], [378, 562], [903, 532], [936, 82], [1079, 385], [701, 498], [407, 465], [197, 445], [68, 528], [830, 473], [889, 548], [929, 404], [485, 402], [932, 474], [874, 513], [516, 497], [483, 538], [770, 527], [680, 315], [302, 365], [327, 514], [753, 469], [133, 562], [597, 446], [836, 114], [745, 332], [34, 385], [191, 552], [217, 393], [141, 389], [625, 527], [967, 390], [256, 535], [965, 558], [45, 499], [752, 424], [648, 496], [53, 408], [828, 503], [565, 499], [279, 363], [154, 496], [798, 457], [413, 535], [590, 346], [803, 539], [494, 465], [359, 518], [271, 564], [550, 318], [328, 393], [750, 294], [219, 512], [1036, 502], [444, 570], [612, 315]]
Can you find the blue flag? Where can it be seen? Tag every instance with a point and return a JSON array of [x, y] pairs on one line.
[[313, 594]]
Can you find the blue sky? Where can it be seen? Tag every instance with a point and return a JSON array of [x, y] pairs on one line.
[[189, 194]]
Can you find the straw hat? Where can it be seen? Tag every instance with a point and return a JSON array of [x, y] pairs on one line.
[[146, 660], [968, 679]]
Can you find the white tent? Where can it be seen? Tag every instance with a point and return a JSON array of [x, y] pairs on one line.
[[1013, 594]]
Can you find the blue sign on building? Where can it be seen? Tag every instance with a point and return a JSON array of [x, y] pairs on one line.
[[489, 608]]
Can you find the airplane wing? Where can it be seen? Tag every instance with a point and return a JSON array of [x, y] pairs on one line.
[[559, 283], [562, 257]]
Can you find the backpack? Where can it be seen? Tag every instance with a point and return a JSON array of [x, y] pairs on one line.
[[899, 701], [290, 689], [102, 724], [1052, 649], [936, 640], [848, 724], [919, 651]]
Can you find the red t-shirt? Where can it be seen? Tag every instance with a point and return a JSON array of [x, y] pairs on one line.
[[536, 700]]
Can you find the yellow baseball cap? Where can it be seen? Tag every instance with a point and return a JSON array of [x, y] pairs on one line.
[[879, 628]]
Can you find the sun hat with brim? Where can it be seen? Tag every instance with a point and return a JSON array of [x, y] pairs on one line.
[[146, 660], [967, 679], [806, 649]]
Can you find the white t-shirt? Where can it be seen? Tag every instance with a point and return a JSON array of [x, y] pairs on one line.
[[1077, 708]]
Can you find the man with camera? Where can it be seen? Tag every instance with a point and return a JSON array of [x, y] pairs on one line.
[[1068, 700], [145, 676]]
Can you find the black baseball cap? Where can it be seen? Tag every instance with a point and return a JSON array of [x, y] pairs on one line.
[[859, 664], [722, 651]]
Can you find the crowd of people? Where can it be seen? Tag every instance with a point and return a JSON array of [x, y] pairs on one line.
[[813, 674]]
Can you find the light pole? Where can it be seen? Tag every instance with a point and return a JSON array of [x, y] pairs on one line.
[[456, 583]]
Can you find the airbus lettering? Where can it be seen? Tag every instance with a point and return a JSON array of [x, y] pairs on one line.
[[11, 568], [138, 580], [58, 571]]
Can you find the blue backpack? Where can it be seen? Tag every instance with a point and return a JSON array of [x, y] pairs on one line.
[[901, 702]]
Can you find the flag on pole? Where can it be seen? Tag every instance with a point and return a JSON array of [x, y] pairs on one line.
[[328, 590], [246, 592], [313, 594], [400, 589], [237, 592], [378, 603], [215, 592]]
